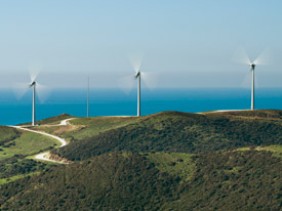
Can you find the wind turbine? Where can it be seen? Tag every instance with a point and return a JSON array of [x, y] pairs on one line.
[[253, 67], [87, 100], [148, 78], [21, 89], [33, 117], [262, 59], [138, 78], [34, 85]]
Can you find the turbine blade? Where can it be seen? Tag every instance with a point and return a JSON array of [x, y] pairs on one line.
[[34, 70], [42, 92], [20, 89], [150, 79], [136, 62], [33, 75], [241, 57], [263, 58]]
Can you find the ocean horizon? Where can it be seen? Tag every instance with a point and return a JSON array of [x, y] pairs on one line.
[[112, 102]]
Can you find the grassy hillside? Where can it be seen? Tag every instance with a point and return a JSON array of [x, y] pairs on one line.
[[246, 180], [52, 120], [26, 143], [176, 132], [18, 165], [7, 134], [265, 114], [82, 128], [109, 182], [16, 148], [166, 161]]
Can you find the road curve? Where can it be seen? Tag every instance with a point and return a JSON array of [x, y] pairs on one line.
[[46, 156], [61, 140]]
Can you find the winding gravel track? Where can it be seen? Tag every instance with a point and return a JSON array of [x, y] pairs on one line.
[[46, 156]]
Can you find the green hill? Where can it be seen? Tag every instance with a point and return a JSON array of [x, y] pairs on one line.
[[248, 180], [16, 150], [177, 132], [166, 161]]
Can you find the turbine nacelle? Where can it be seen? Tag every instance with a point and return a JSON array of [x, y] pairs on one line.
[[253, 66], [138, 74], [32, 84]]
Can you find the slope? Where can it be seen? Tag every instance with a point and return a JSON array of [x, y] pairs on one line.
[[178, 132], [246, 180], [16, 150], [166, 161]]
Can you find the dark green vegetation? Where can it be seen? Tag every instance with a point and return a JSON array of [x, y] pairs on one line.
[[106, 182], [167, 161], [16, 149], [7, 135], [23, 143], [17, 165], [248, 180], [81, 129], [179, 132]]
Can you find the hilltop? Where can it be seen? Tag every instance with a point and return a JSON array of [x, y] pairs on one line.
[[165, 161], [172, 132]]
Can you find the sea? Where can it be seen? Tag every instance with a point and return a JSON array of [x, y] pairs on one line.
[[113, 102]]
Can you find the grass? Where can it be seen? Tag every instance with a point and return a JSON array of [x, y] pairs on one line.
[[61, 131], [265, 114], [54, 120], [147, 164], [167, 132], [27, 144], [243, 149], [94, 126], [7, 133], [50, 121], [175, 164], [232, 180], [276, 150], [126, 181], [82, 128], [16, 177], [16, 146]]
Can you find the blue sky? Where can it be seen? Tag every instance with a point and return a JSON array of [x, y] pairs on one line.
[[186, 43]]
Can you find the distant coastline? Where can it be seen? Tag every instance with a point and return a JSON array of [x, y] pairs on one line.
[[111, 102]]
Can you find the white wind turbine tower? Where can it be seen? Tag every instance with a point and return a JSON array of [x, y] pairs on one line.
[[262, 59], [33, 85], [137, 63], [148, 77], [87, 98], [21, 89], [33, 117], [253, 66], [140, 76]]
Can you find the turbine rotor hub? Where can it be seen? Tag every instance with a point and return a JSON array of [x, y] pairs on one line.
[[33, 84], [253, 66], [137, 74]]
